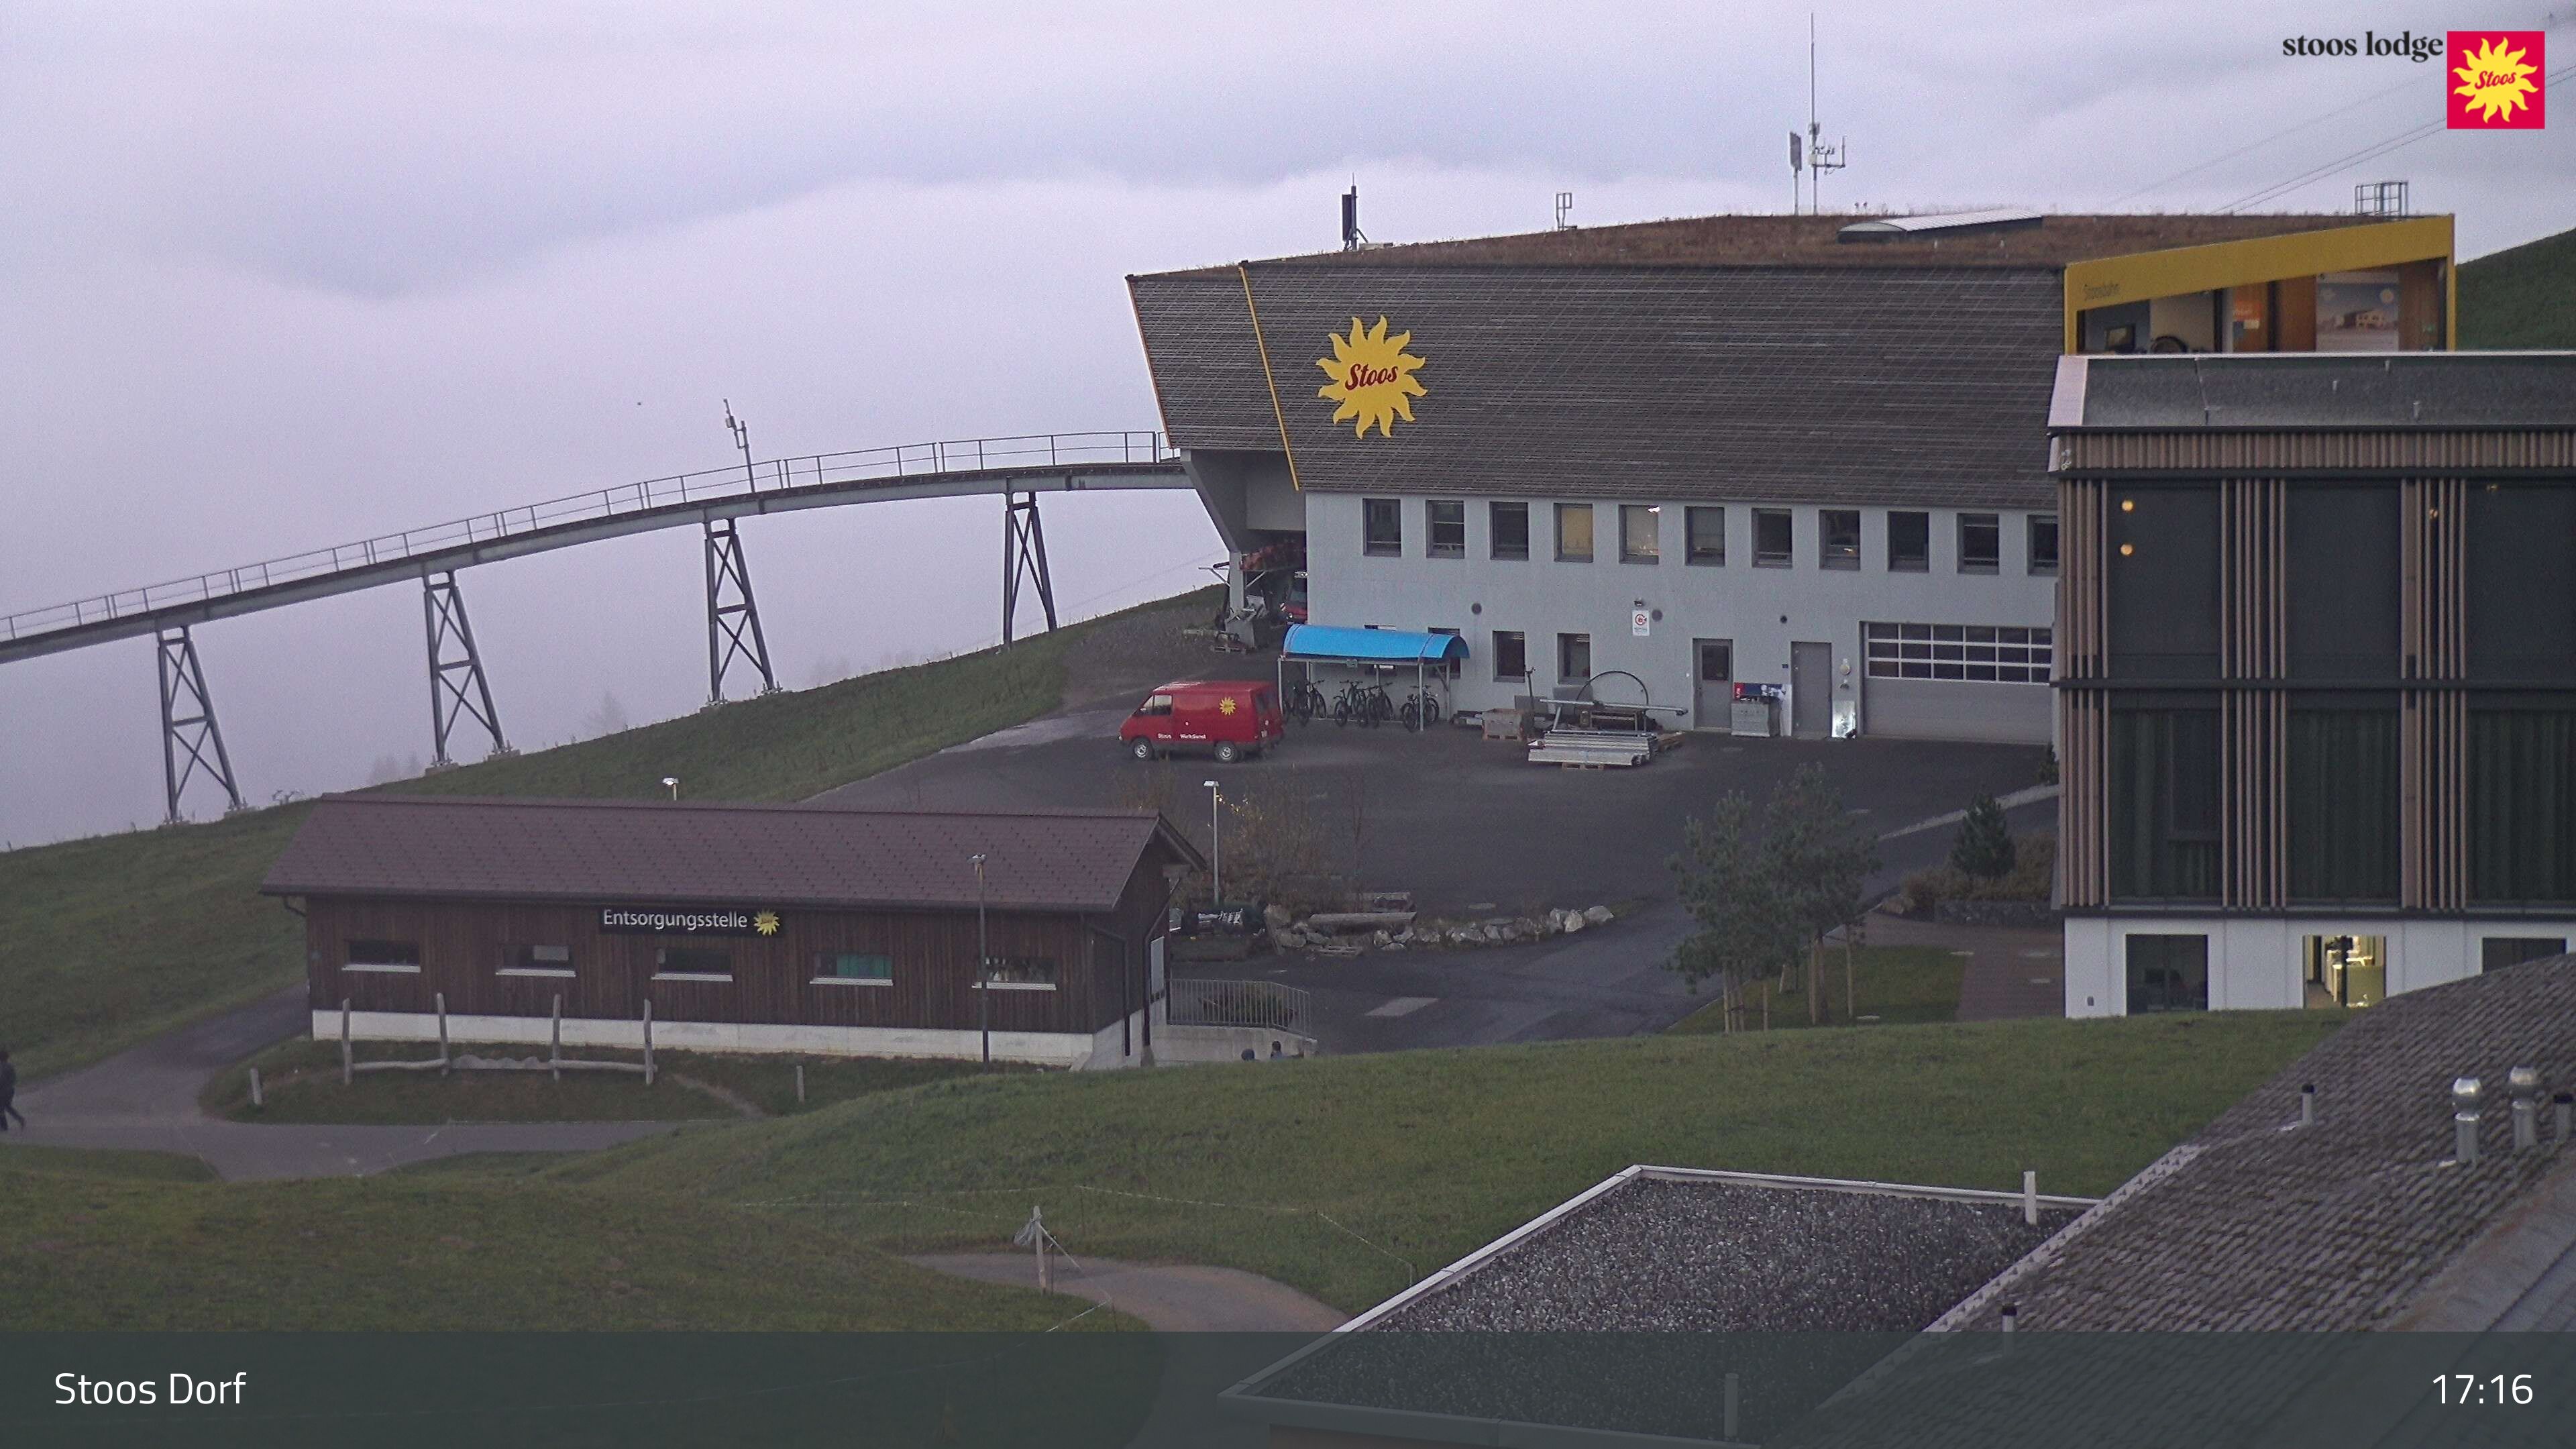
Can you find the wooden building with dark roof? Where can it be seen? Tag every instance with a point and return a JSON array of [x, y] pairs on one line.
[[744, 927]]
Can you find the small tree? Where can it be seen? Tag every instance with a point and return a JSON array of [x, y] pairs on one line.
[[1822, 856], [1984, 849], [1725, 880]]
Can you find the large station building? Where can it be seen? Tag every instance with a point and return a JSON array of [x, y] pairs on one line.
[[1797, 451]]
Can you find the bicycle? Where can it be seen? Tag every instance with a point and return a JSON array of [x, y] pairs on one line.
[[1305, 701], [1421, 710]]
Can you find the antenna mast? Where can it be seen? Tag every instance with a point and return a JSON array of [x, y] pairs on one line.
[[1820, 158]]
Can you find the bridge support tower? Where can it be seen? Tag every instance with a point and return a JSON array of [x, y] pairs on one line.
[[733, 615], [1023, 557], [456, 683], [188, 725]]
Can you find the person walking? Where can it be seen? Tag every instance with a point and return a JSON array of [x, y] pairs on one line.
[[9, 1093]]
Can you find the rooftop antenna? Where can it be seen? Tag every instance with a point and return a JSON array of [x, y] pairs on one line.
[[1352, 237], [1564, 209], [1820, 157]]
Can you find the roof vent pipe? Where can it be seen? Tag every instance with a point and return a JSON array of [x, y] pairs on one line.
[[2565, 1102], [2464, 1121], [2011, 1315], [2030, 1198], [2525, 1082], [2308, 1105]]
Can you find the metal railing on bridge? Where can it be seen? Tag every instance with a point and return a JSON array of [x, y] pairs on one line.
[[1264, 1004], [907, 460]]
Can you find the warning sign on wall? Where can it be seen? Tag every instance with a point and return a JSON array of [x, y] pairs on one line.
[[1641, 622]]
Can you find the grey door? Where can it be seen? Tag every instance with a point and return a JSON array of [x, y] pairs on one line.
[[1712, 683], [1811, 690]]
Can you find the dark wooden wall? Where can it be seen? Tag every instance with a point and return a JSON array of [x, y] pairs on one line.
[[464, 944]]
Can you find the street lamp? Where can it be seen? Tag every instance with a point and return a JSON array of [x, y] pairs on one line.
[[672, 784], [741, 439], [1216, 852], [983, 967]]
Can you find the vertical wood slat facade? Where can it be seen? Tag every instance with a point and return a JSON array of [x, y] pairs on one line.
[[2083, 800], [2434, 621]]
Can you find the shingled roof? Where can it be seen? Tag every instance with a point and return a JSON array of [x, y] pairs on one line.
[[468, 848], [2262, 1223]]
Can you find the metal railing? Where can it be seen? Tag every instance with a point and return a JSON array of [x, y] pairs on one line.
[[906, 460], [1265, 1004]]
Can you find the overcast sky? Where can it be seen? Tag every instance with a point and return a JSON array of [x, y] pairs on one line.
[[281, 276]]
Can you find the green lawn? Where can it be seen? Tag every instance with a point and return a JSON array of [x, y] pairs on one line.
[[448, 1253], [1347, 1176], [111, 940], [2521, 297], [300, 1082], [1899, 985]]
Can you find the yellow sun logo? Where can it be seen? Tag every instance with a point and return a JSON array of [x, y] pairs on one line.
[[2495, 80], [766, 923], [1372, 378], [1225, 705]]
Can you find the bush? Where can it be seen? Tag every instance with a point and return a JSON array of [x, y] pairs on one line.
[[2033, 873], [1984, 848]]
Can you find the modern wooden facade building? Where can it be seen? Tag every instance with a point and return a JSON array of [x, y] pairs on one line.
[[2317, 674], [745, 927]]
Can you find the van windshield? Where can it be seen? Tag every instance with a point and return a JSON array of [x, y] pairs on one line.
[[1156, 704]]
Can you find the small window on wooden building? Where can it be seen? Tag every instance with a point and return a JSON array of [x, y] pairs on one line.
[[397, 957], [1021, 973], [853, 968], [682, 963], [536, 961]]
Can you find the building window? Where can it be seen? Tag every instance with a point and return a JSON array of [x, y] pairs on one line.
[[1772, 545], [1981, 543], [398, 958], [1448, 527], [1983, 653], [1706, 528], [2522, 806], [1574, 533], [536, 961], [2342, 788], [2043, 543], [853, 968], [2497, 952], [1511, 654], [682, 963], [1909, 542], [1641, 528], [1838, 538], [1019, 973], [1573, 657], [2164, 804], [2168, 973], [1382, 527], [1511, 530], [2345, 970]]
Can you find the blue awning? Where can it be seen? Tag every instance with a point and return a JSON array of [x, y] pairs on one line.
[[1325, 641]]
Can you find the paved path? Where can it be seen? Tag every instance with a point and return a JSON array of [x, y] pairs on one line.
[[145, 1099], [2012, 972], [1167, 1298]]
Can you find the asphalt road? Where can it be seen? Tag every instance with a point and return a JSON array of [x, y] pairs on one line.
[[1472, 829], [145, 1099]]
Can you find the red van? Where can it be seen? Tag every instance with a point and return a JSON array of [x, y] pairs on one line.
[[1232, 717]]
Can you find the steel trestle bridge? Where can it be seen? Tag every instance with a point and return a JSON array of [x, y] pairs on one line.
[[1017, 469]]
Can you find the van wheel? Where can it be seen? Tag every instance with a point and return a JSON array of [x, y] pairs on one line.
[[1226, 753], [1142, 749]]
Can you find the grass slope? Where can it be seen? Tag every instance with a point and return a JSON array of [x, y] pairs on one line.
[[454, 1253], [112, 940], [1325, 1173], [1899, 985], [2521, 297]]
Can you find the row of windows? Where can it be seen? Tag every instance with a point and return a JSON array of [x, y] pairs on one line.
[[2170, 971], [1640, 538], [695, 963], [2000, 654]]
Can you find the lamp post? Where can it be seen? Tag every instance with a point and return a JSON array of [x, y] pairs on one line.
[[983, 967], [741, 439], [1216, 852], [672, 784]]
